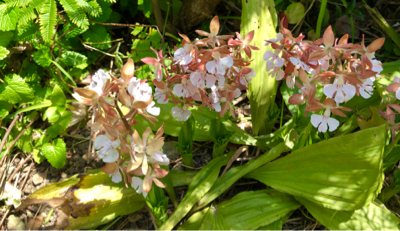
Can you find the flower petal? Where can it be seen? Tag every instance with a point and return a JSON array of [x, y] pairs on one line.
[[316, 120], [111, 156], [333, 124], [329, 90]]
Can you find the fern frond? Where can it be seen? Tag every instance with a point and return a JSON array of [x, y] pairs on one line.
[[48, 20], [91, 7], [19, 3], [75, 13], [28, 13]]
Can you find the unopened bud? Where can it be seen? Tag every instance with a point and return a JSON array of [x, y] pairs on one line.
[[128, 70]]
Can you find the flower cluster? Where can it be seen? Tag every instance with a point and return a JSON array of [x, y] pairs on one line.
[[344, 70], [209, 70], [127, 155]]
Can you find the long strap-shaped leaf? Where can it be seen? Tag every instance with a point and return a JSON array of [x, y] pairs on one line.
[[199, 186], [260, 16], [343, 173], [48, 20]]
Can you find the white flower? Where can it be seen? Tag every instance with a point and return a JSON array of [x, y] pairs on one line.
[[219, 65], [376, 66], [181, 114], [278, 38], [273, 60], [159, 158], [116, 177], [214, 98], [107, 149], [246, 78], [153, 110], [137, 184], [140, 91], [202, 79], [323, 121], [99, 79], [299, 64], [366, 88], [182, 55], [160, 96], [344, 92]]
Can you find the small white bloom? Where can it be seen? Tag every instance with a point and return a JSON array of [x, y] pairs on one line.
[[140, 91], [181, 114], [137, 184], [99, 79], [366, 88], [107, 149], [323, 121], [185, 89], [299, 64], [273, 59], [202, 79], [159, 158], [344, 92], [182, 55], [116, 177], [219, 65]]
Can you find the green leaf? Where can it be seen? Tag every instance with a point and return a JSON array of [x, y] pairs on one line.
[[106, 11], [58, 99], [146, 7], [343, 173], [369, 217], [185, 141], [42, 57], [250, 210], [51, 114], [97, 34], [95, 200], [9, 17], [294, 12], [158, 204], [260, 16], [5, 38], [220, 136], [391, 190], [29, 13], [213, 220], [91, 7], [55, 153], [200, 184], [5, 108], [74, 59], [75, 13], [60, 126], [48, 20], [37, 156], [15, 90], [3, 52]]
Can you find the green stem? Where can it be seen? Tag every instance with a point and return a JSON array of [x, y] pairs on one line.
[[321, 17]]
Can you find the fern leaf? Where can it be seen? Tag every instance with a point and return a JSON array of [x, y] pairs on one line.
[[91, 7], [48, 20], [12, 3], [75, 13], [28, 13], [8, 17]]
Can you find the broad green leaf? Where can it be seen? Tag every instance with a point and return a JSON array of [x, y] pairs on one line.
[[199, 186], [5, 108], [6, 37], [369, 217], [74, 59], [9, 17], [42, 57], [89, 200], [15, 90], [250, 210], [180, 178], [390, 67], [369, 117], [98, 35], [342, 173], [276, 225], [37, 156], [48, 20], [75, 13], [294, 12], [60, 126], [232, 175], [56, 153], [51, 114], [213, 220], [58, 99], [260, 16], [3, 52]]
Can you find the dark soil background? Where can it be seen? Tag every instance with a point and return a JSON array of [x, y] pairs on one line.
[[33, 176]]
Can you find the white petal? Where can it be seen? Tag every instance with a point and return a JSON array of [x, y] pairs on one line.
[[153, 110], [279, 62], [102, 141], [111, 156], [294, 61], [333, 124], [350, 90], [179, 53], [398, 93], [268, 55], [176, 111], [115, 143], [227, 61], [316, 120], [178, 90], [210, 66], [210, 80], [116, 177], [363, 93], [329, 90], [186, 114], [137, 184]]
